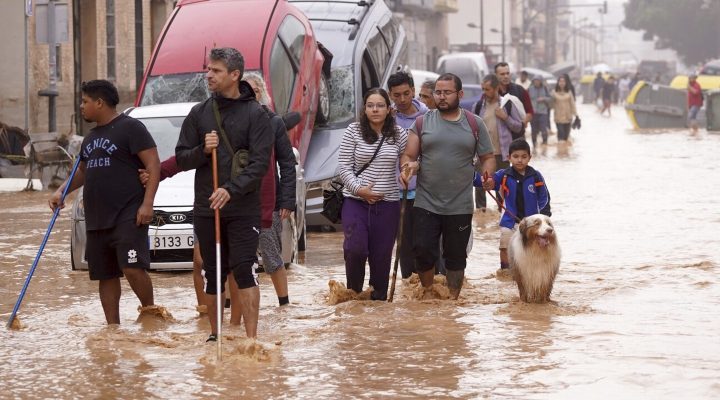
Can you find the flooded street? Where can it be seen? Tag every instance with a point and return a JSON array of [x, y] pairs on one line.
[[636, 308]]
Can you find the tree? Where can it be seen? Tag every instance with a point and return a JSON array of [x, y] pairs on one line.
[[689, 27]]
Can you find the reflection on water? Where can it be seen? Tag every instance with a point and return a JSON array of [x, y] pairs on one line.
[[634, 312]]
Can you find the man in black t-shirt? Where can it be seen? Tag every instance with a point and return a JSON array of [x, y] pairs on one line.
[[118, 208]]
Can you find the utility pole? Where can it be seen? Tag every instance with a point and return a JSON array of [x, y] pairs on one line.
[[482, 26]]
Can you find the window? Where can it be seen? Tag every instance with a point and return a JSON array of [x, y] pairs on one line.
[[368, 73], [292, 33], [464, 68], [110, 37], [282, 77], [379, 53]]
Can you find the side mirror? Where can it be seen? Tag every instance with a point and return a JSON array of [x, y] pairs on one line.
[[291, 119]]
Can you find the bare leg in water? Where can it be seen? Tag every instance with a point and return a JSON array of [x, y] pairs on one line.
[[198, 281], [110, 299]]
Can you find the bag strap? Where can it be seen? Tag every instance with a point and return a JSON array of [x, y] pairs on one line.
[[367, 164], [473, 124], [222, 131]]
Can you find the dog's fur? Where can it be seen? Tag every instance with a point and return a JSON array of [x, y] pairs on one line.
[[534, 258]]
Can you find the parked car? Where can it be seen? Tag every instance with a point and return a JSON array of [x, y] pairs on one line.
[[471, 67], [420, 76], [368, 45], [171, 230], [471, 94], [277, 41]]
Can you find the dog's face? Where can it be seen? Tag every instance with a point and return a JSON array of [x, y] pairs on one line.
[[539, 229]]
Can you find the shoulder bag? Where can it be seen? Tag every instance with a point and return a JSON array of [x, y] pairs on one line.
[[333, 198], [240, 157]]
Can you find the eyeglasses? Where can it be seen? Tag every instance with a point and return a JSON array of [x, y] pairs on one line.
[[445, 93], [379, 106]]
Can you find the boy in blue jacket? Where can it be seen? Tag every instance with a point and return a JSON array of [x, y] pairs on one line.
[[522, 190]]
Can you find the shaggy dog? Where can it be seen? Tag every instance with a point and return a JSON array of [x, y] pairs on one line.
[[534, 258]]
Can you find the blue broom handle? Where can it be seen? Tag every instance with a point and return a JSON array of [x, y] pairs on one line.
[[42, 246]]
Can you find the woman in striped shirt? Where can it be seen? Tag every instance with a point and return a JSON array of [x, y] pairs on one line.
[[371, 209]]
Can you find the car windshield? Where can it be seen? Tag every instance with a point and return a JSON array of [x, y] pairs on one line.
[[176, 88], [165, 131], [341, 88]]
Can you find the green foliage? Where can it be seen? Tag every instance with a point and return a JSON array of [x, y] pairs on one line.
[[689, 27]]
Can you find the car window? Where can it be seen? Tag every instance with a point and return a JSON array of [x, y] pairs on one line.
[[341, 88], [379, 54], [710, 70], [165, 131], [292, 33], [282, 76], [472, 91], [369, 76], [463, 68], [177, 88], [389, 31]]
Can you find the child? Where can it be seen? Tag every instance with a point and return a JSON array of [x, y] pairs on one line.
[[522, 190]]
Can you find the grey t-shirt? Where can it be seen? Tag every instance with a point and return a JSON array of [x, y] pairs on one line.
[[447, 149]]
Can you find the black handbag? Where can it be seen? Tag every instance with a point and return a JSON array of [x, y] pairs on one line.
[[240, 157], [333, 198], [577, 124]]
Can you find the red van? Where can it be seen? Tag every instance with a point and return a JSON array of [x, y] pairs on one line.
[[274, 37], [276, 40]]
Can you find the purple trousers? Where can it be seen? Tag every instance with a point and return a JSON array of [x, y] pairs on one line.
[[370, 232]]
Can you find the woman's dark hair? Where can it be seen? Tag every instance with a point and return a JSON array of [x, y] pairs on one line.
[[388, 128], [568, 84], [101, 89]]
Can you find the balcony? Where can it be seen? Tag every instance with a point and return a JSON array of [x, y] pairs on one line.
[[446, 6]]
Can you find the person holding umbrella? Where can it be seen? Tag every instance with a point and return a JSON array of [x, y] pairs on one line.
[[234, 117]]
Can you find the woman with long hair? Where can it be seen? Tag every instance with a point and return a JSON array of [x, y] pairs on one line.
[[367, 167], [564, 108]]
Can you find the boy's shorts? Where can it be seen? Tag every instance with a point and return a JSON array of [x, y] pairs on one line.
[[108, 251], [505, 235]]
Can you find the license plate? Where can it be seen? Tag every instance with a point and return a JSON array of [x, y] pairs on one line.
[[162, 242]]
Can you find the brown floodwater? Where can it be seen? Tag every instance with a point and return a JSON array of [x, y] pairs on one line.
[[635, 312]]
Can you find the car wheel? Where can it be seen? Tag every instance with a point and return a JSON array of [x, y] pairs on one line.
[[323, 107]]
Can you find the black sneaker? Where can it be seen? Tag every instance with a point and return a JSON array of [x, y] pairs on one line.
[[211, 338]]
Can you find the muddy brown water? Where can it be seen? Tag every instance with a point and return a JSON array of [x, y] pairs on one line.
[[636, 312]]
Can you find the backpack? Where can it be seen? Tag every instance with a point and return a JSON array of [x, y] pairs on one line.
[[503, 190]]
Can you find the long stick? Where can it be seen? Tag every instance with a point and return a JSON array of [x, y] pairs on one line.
[[397, 248], [218, 285], [42, 246]]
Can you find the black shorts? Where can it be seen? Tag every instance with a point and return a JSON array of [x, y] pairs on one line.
[[238, 250], [455, 231], [110, 250]]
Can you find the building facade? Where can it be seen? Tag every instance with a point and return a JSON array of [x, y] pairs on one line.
[[107, 39]]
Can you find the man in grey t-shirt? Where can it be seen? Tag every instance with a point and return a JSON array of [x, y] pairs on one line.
[[443, 201]]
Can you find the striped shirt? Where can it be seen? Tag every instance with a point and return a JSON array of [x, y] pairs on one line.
[[382, 171]]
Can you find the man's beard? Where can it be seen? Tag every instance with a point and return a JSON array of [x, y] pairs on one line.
[[448, 107]]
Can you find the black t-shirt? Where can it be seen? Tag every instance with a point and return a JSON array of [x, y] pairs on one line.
[[112, 192]]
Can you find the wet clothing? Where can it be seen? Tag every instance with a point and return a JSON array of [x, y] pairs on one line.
[[286, 162], [370, 231], [540, 97], [455, 231], [522, 195], [608, 91], [447, 150], [598, 85], [110, 153], [248, 127], [239, 237], [110, 250], [522, 94]]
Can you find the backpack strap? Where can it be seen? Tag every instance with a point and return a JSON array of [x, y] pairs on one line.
[[473, 123]]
